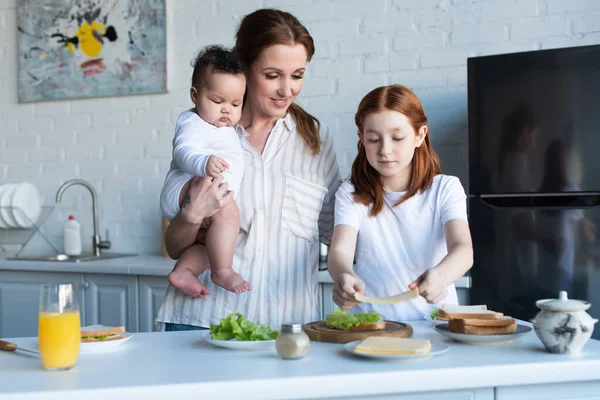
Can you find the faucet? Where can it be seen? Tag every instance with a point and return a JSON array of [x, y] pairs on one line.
[[97, 243]]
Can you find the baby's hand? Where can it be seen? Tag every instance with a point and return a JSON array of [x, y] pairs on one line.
[[215, 166]]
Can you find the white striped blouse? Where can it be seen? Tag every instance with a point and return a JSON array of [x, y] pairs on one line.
[[286, 204]]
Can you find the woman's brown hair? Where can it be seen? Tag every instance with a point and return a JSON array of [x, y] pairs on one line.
[[425, 164], [267, 27]]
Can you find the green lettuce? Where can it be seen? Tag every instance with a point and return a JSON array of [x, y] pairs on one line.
[[435, 313], [344, 320], [238, 327]]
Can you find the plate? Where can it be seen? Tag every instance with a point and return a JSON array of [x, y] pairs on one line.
[[26, 205], [239, 345], [84, 348], [6, 206], [436, 349], [521, 331], [433, 321]]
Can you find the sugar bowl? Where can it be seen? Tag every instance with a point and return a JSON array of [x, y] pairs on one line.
[[563, 325]]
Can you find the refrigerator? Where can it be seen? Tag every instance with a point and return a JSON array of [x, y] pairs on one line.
[[534, 178]]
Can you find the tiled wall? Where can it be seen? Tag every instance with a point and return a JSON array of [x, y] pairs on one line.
[[122, 144]]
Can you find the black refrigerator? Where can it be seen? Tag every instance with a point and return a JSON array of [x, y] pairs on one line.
[[534, 178]]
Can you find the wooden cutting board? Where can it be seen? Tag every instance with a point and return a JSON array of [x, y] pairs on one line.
[[320, 332]]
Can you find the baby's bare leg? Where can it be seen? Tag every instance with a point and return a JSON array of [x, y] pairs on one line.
[[220, 244], [193, 262]]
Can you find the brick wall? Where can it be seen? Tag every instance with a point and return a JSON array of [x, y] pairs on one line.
[[122, 144]]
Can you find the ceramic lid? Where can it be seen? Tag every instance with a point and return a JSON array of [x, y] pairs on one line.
[[563, 304]]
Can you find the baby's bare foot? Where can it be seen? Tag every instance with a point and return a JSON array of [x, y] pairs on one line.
[[185, 280], [230, 280]]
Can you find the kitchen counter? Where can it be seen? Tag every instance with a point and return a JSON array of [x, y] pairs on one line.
[[138, 265], [180, 365]]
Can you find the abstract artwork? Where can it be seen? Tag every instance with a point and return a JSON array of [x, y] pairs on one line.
[[90, 48]]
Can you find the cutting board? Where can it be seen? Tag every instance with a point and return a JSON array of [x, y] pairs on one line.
[[320, 332]]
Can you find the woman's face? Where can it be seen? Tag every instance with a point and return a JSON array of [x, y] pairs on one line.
[[275, 79]]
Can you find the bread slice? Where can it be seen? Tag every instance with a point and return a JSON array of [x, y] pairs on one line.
[[489, 322], [101, 335], [369, 327], [459, 326], [393, 345], [481, 314], [453, 308]]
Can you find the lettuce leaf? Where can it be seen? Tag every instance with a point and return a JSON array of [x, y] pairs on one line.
[[238, 327], [344, 320], [435, 313]]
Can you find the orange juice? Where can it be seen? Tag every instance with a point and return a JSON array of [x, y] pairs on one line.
[[59, 339]]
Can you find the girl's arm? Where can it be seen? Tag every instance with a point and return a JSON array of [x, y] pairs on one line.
[[433, 283], [340, 260]]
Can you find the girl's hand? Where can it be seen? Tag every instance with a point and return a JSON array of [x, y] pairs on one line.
[[215, 166], [432, 286], [344, 288]]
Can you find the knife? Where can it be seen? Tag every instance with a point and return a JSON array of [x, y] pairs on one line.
[[12, 347], [398, 298]]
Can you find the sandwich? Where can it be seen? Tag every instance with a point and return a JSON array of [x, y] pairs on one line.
[[393, 346], [89, 334], [448, 312], [343, 320], [476, 326]]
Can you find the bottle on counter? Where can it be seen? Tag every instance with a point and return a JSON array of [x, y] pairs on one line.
[[72, 237], [292, 342]]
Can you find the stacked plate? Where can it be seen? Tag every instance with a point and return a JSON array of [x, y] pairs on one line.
[[20, 205]]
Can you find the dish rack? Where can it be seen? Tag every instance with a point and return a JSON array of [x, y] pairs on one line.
[[22, 236]]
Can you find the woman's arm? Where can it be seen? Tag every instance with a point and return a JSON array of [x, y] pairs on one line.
[[340, 260], [433, 283], [332, 178], [205, 197]]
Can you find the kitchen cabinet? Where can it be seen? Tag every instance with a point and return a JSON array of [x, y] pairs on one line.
[[152, 290], [588, 390], [19, 299], [111, 300]]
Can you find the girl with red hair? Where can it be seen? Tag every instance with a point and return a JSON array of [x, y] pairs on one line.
[[401, 221]]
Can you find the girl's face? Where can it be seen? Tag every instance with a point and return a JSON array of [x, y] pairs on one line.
[[390, 142], [275, 79]]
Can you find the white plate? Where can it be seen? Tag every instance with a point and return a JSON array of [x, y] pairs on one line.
[[3, 223], [443, 330], [436, 349], [27, 205], [433, 321], [239, 345], [6, 203], [84, 348]]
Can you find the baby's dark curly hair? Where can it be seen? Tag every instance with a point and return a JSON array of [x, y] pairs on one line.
[[216, 59]]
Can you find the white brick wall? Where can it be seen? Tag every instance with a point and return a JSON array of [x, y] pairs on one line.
[[122, 145]]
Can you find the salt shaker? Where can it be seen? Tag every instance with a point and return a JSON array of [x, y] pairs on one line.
[[292, 342]]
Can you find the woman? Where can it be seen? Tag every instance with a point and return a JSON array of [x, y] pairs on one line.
[[286, 198]]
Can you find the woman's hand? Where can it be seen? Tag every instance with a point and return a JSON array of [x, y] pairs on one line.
[[344, 288], [205, 197], [432, 286]]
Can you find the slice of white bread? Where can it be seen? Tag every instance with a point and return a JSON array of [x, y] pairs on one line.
[[453, 308], [90, 334], [393, 345], [475, 314], [489, 322], [461, 326], [369, 327]]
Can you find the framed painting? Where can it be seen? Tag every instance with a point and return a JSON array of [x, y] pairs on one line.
[[90, 48]]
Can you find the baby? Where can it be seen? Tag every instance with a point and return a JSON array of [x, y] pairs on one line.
[[207, 144]]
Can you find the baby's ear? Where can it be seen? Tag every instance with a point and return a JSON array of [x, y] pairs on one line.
[[193, 94]]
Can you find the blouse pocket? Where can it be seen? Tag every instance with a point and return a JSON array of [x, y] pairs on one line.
[[301, 207]]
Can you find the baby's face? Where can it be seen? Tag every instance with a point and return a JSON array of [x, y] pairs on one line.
[[219, 99]]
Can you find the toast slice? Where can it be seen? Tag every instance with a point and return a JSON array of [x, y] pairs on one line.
[[453, 308], [459, 326], [478, 314], [489, 322], [369, 327]]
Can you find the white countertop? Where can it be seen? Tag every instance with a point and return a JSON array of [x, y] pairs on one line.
[[180, 365], [138, 265]]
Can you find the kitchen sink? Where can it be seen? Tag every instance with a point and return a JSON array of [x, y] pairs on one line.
[[67, 258]]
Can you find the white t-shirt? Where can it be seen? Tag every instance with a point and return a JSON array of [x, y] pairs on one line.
[[400, 243], [194, 142]]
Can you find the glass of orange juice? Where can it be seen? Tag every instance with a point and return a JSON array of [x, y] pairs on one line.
[[59, 326]]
